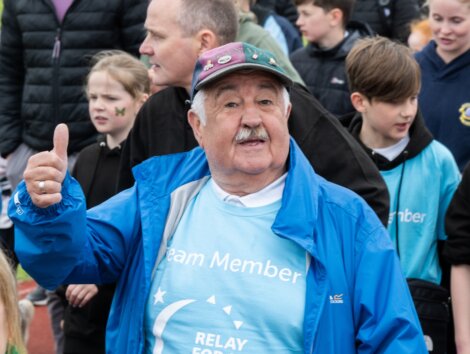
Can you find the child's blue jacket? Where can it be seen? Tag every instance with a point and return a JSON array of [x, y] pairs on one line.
[[357, 300]]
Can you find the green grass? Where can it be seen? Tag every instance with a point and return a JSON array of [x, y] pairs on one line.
[[21, 275]]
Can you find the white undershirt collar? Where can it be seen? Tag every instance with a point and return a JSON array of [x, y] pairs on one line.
[[268, 195], [391, 152]]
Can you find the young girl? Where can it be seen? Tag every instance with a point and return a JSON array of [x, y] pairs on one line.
[[445, 64], [11, 341], [116, 86]]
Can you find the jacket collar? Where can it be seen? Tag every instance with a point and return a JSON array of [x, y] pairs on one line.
[[160, 176]]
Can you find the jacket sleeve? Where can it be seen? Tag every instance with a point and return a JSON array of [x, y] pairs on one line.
[[384, 313], [457, 223], [11, 80], [132, 25], [65, 244]]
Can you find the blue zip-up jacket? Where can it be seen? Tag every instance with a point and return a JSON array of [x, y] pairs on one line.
[[356, 298]]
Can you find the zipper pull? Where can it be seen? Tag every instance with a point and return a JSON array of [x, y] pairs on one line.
[[57, 44]]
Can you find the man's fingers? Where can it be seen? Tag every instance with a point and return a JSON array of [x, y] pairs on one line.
[[46, 171], [42, 173], [61, 141], [42, 187], [45, 158], [45, 200]]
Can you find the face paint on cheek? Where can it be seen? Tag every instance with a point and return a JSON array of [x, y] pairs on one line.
[[120, 111]]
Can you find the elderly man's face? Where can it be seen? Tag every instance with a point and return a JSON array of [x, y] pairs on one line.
[[244, 103], [171, 54]]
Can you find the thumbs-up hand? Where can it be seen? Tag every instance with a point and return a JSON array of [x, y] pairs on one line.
[[46, 171]]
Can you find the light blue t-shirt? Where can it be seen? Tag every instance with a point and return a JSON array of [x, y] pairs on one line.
[[418, 208], [227, 284]]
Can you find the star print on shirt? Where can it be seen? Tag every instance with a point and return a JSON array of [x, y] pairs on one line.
[[158, 297]]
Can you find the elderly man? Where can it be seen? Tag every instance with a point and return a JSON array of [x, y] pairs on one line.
[[161, 126], [234, 247]]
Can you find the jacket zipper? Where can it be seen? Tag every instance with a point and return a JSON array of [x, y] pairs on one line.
[[56, 51], [57, 44]]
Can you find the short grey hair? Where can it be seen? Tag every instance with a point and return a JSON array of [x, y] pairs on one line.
[[219, 16], [199, 100]]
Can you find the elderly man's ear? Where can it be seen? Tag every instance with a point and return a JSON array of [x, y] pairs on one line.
[[196, 124], [289, 110]]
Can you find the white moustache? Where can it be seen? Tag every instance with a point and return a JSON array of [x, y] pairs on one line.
[[246, 134]]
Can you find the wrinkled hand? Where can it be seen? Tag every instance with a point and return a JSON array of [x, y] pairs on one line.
[[46, 171], [78, 295]]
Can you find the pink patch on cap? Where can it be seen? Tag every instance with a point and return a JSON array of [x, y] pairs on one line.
[[220, 58]]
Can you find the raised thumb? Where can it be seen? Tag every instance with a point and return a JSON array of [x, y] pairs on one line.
[[61, 141]]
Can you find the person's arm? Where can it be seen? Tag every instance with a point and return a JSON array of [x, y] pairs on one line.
[[460, 289], [457, 223], [11, 80], [56, 239], [457, 252]]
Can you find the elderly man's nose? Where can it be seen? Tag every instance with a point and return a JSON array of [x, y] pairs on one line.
[[251, 117]]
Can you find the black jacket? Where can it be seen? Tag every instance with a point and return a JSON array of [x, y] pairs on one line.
[[43, 64], [420, 138], [457, 246], [396, 25], [324, 73], [96, 170], [161, 127]]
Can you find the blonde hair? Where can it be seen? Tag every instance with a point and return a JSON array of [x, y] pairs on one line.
[[129, 71], [9, 300]]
